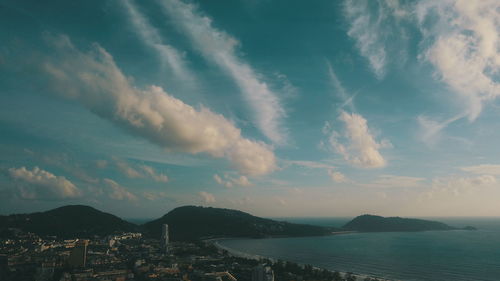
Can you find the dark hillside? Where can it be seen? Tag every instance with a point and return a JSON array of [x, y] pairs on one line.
[[190, 222], [67, 221]]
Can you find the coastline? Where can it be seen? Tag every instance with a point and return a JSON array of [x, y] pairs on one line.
[[240, 254]]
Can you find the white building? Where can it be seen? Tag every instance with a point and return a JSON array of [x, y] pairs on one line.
[[164, 237]]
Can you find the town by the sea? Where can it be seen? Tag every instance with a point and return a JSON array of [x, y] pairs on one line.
[[430, 255]]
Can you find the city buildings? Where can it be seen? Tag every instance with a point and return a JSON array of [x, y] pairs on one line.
[[78, 256], [262, 273]]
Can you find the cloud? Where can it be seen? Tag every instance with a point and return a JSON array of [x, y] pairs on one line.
[[125, 168], [458, 186], [40, 184], [340, 90], [310, 164], [220, 48], [356, 144], [459, 39], [150, 36], [153, 196], [465, 50], [393, 181], [207, 197], [483, 169], [94, 80], [153, 174], [117, 192], [337, 176], [365, 29], [281, 201], [228, 181], [141, 171], [430, 130]]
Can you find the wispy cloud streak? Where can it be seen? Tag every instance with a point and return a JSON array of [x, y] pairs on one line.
[[340, 90], [151, 37], [220, 48]]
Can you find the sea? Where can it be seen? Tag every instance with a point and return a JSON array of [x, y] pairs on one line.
[[430, 255]]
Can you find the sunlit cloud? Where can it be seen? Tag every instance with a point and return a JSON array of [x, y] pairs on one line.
[[207, 197], [465, 51], [42, 185], [337, 176], [356, 143], [395, 181], [483, 169], [228, 181], [117, 192], [94, 80], [139, 171]]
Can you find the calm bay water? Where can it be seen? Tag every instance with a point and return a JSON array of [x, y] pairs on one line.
[[431, 255]]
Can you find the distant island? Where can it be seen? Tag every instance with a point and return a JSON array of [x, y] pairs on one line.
[[371, 223], [190, 223]]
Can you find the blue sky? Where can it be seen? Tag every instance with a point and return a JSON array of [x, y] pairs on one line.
[[278, 108]]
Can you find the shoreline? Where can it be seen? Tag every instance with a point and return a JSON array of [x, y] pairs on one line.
[[240, 254]]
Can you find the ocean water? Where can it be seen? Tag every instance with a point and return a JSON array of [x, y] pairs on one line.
[[430, 255]]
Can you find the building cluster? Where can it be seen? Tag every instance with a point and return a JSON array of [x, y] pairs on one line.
[[125, 256]]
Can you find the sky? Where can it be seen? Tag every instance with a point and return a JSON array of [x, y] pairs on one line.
[[275, 107]]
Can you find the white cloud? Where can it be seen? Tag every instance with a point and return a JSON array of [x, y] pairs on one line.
[[125, 168], [430, 130], [150, 36], [365, 30], [393, 181], [465, 51], [340, 90], [118, 192], [221, 49], [337, 176], [356, 144], [207, 197], [483, 169], [40, 184], [152, 195], [140, 171], [310, 164], [281, 201], [150, 171], [94, 80], [228, 181], [459, 185]]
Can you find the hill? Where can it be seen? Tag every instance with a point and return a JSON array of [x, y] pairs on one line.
[[191, 222], [67, 221], [371, 223]]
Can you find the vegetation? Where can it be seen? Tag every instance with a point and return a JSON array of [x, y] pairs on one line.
[[66, 222], [191, 223], [370, 223]]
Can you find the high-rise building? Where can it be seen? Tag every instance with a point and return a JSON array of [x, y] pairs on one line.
[[262, 273], [164, 237], [4, 267], [78, 256]]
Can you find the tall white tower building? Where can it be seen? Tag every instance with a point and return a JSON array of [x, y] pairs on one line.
[[164, 237]]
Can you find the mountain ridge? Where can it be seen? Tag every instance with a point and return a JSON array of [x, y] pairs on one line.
[[67, 221], [195, 222]]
